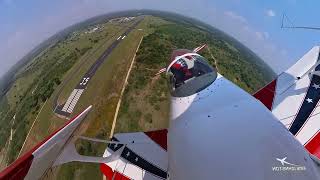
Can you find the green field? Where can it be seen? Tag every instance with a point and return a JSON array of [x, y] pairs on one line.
[[36, 83], [47, 119], [145, 103], [103, 93]]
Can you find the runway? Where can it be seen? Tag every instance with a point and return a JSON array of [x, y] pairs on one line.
[[67, 108]]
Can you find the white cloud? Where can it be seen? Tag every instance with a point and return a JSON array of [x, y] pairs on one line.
[[35, 30], [255, 38], [259, 35], [236, 17], [246, 28], [270, 13], [262, 35]]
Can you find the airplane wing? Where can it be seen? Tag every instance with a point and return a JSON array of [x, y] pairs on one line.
[[55, 150], [293, 97], [144, 156], [197, 49]]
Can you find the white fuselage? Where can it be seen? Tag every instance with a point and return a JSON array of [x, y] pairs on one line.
[[223, 132]]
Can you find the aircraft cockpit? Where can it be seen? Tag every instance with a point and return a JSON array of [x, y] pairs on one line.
[[189, 74]]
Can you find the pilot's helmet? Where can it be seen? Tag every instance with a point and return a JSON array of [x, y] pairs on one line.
[[189, 61], [180, 64], [186, 62]]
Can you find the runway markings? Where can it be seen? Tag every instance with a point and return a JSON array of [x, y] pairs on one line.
[[84, 81], [72, 100], [67, 108]]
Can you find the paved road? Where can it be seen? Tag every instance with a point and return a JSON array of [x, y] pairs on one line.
[[67, 108]]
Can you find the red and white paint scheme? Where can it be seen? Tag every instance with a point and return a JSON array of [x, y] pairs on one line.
[[293, 97], [216, 131], [55, 150], [219, 131]]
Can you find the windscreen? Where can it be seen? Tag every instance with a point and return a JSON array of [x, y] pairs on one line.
[[189, 74]]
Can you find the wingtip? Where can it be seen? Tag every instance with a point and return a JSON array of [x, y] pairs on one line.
[[89, 107], [87, 110]]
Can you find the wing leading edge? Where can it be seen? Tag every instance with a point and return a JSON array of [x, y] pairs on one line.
[[56, 149]]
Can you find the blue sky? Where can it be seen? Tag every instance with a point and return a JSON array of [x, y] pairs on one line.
[[25, 24]]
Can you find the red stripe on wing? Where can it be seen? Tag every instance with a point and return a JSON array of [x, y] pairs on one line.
[[19, 169], [107, 171], [159, 137], [313, 146], [266, 94], [55, 132]]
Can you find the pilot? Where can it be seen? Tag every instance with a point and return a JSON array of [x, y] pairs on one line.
[[181, 72]]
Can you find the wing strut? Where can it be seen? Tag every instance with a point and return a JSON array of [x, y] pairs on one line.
[[70, 154]]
